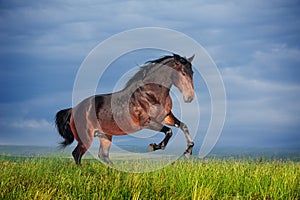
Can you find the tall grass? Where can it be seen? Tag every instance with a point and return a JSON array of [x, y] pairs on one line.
[[51, 178]]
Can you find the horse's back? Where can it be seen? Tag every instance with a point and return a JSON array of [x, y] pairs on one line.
[[99, 113]]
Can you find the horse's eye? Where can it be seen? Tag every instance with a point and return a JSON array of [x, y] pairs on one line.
[[183, 73]]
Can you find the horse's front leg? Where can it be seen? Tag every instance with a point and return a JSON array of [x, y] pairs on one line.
[[156, 126], [171, 120]]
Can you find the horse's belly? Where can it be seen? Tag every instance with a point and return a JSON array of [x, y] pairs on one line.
[[118, 125], [115, 129]]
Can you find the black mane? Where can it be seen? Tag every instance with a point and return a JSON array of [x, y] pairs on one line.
[[144, 69], [159, 60]]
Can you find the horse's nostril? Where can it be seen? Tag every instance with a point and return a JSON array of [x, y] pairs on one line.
[[190, 98]]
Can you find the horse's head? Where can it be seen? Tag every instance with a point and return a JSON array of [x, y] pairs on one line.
[[183, 76], [167, 71]]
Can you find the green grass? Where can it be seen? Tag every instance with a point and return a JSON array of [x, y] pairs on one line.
[[58, 178]]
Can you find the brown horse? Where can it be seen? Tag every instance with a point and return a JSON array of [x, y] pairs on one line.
[[145, 102]]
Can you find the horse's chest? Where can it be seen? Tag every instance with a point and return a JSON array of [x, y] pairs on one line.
[[158, 111]]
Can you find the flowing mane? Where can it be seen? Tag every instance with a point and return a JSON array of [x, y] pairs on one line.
[[145, 69]]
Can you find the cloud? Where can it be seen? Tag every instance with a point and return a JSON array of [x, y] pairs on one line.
[[278, 63], [28, 131], [263, 110], [263, 94], [31, 123], [258, 100], [254, 43]]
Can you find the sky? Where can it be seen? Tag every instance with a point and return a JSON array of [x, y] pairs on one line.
[[255, 45]]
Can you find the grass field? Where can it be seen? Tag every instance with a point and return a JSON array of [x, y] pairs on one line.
[[60, 178]]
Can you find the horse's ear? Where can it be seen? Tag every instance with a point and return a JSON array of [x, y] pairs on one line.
[[191, 58]]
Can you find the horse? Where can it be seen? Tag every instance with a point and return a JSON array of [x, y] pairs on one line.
[[144, 103]]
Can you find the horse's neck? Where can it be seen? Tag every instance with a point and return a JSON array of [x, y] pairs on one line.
[[156, 84], [149, 86], [160, 76], [157, 81]]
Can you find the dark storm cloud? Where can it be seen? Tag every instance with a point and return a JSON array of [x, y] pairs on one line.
[[254, 43]]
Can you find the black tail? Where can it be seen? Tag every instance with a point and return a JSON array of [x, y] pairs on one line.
[[62, 121]]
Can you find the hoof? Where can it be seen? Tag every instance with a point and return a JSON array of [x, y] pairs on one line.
[[151, 147], [106, 160], [110, 163], [187, 154]]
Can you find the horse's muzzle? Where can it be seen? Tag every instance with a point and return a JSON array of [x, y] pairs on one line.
[[188, 99]]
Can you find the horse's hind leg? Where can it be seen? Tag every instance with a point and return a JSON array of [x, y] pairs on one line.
[[105, 143], [78, 153], [83, 145]]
